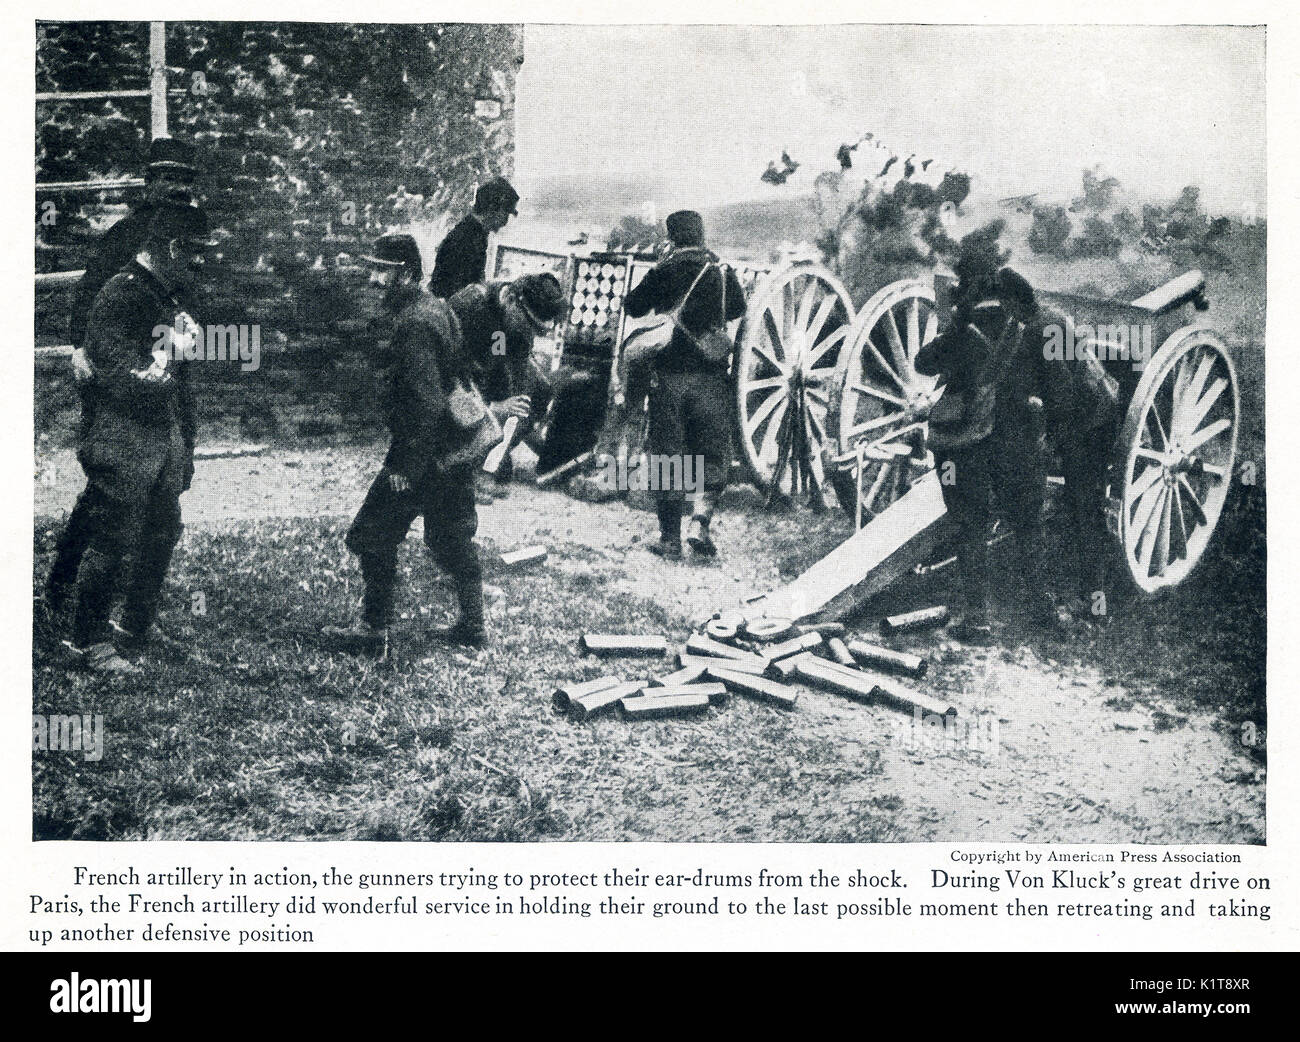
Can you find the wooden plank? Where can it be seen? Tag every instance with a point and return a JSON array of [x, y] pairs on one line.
[[793, 646], [687, 675], [528, 555], [836, 678], [784, 669], [624, 644], [839, 652], [904, 534], [758, 687], [921, 619]]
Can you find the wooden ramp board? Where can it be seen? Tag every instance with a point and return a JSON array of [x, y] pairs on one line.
[[903, 535]]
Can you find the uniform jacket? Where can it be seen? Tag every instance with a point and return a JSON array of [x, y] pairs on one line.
[[968, 368], [121, 335], [461, 258], [115, 249], [498, 376], [662, 290], [425, 361]]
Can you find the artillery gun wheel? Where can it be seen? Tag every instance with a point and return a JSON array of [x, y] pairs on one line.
[[1177, 449], [791, 340], [882, 401]]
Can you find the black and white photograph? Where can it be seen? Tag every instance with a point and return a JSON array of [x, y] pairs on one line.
[[649, 433]]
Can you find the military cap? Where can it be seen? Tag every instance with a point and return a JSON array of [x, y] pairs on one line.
[[686, 228], [169, 153], [396, 250], [540, 296]]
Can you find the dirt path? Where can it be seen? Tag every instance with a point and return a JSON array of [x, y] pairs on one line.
[[1053, 761]]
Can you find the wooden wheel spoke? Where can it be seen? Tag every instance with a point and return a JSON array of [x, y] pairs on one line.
[[820, 350], [1145, 537], [766, 383], [775, 338], [1189, 394], [1194, 501], [1142, 506], [869, 501], [895, 341], [889, 371], [823, 314], [876, 392], [1195, 441], [1144, 481], [1182, 517], [873, 424], [768, 450], [1154, 413], [806, 303], [1197, 412], [914, 330], [819, 396], [1164, 532], [931, 328], [764, 409]]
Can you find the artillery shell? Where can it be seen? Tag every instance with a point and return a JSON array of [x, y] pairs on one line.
[[699, 644], [688, 675], [749, 664], [837, 678], [528, 555], [649, 708], [715, 692], [925, 618], [839, 652], [624, 644], [589, 705], [759, 687], [564, 695], [888, 658], [826, 629], [793, 646], [784, 669], [563, 469], [909, 699]]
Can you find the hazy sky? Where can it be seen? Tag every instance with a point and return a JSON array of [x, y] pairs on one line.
[[1021, 108]]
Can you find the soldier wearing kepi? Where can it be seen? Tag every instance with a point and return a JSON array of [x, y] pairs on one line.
[[498, 323], [986, 446], [138, 452], [462, 255], [690, 400], [1079, 404], [427, 472], [169, 176]]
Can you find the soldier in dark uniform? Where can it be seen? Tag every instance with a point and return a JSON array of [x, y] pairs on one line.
[[498, 322], [690, 400], [169, 176], [1079, 404], [138, 452], [462, 255], [426, 363], [986, 446]]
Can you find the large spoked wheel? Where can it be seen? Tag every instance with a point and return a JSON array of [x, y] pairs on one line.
[[794, 332], [883, 401], [1178, 446]]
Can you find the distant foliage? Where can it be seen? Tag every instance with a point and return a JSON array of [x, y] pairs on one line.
[[634, 234], [1050, 229]]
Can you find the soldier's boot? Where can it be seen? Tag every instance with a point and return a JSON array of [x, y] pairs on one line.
[[369, 635], [669, 546], [698, 533], [96, 585], [1039, 607], [972, 623], [470, 630]]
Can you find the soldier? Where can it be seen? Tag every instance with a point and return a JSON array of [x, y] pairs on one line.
[[1079, 404], [138, 451], [986, 447], [690, 399], [462, 255], [425, 472], [498, 322], [169, 176]]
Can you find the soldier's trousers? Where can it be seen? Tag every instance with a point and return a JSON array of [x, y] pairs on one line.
[[994, 478], [445, 499], [1084, 466], [690, 419], [130, 507], [75, 536]]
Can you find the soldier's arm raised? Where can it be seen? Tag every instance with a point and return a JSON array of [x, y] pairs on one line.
[[119, 339]]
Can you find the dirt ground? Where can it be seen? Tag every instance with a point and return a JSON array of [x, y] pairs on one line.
[[1067, 752]]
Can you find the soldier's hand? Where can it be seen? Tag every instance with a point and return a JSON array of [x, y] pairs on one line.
[[520, 405], [82, 370], [398, 482]]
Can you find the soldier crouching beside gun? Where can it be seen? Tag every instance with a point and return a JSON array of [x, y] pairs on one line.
[[690, 398], [440, 433], [138, 449], [498, 323], [987, 446]]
